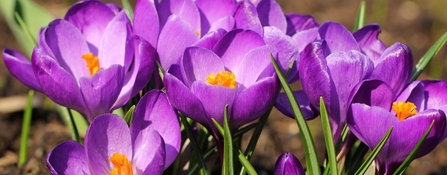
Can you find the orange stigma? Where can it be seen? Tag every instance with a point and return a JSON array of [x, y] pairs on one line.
[[404, 109], [223, 78], [92, 62], [197, 33], [122, 165]]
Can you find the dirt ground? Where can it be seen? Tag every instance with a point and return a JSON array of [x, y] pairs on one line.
[[416, 23]]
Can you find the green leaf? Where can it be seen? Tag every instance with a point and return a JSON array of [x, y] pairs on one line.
[[227, 166], [129, 115], [245, 163], [34, 18], [374, 153], [25, 129], [309, 145], [423, 62], [361, 16], [195, 143], [128, 9], [410, 157], [328, 139]]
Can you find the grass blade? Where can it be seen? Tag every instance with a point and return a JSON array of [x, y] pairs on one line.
[[129, 115], [423, 62], [228, 166], [374, 153], [309, 145], [25, 129], [328, 139], [128, 8], [361, 16], [245, 163], [195, 143]]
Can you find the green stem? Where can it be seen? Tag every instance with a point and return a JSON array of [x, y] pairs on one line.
[[25, 129]]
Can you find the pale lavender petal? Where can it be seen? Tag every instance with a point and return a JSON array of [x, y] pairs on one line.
[[149, 153], [42, 43], [114, 7], [270, 14], [235, 44], [114, 48], [91, 18], [170, 46], [436, 92], [225, 23], [69, 157], [221, 96], [298, 22], [337, 38], [154, 112], [101, 90], [254, 101], [394, 67], [371, 45], [415, 93], [185, 9], [246, 17], [59, 85], [287, 163], [283, 105], [210, 39], [303, 38], [146, 22], [106, 135], [248, 73], [21, 68], [198, 63], [68, 45], [287, 49], [215, 10]]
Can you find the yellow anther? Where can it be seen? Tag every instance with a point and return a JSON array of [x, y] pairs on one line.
[[122, 165], [92, 62], [404, 109], [223, 78]]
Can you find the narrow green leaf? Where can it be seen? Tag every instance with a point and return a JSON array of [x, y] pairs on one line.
[[374, 153], [227, 167], [328, 139], [361, 16], [128, 9], [195, 143], [25, 129], [25, 28], [309, 145], [245, 163], [129, 115], [410, 157], [423, 62]]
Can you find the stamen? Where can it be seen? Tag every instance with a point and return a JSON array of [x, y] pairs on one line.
[[122, 165], [197, 33], [223, 78], [92, 62], [404, 109]]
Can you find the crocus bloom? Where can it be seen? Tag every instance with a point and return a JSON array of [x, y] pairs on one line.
[[287, 163], [375, 108], [84, 61], [236, 70], [149, 146]]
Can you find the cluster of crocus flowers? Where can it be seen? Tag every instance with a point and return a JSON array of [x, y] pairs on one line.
[[87, 61], [149, 146]]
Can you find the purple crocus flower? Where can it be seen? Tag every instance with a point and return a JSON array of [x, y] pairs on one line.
[[375, 108], [287, 163], [84, 61], [149, 146], [210, 77]]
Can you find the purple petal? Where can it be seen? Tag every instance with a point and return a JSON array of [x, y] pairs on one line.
[[226, 23], [21, 68], [287, 49], [287, 163], [215, 10], [42, 43], [140, 73], [214, 98], [183, 99], [210, 39], [185, 9], [436, 92], [270, 14], [235, 44], [337, 38], [154, 112], [106, 135], [395, 67], [114, 48], [246, 17], [59, 85], [415, 93], [102, 89], [91, 18], [146, 22], [373, 93], [68, 158], [371, 45], [149, 152], [283, 105], [298, 22], [199, 63], [303, 38], [248, 73], [254, 101], [68, 45], [170, 46]]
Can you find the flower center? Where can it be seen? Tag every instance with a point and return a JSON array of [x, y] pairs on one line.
[[122, 165], [92, 62], [223, 78], [197, 33], [404, 109]]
